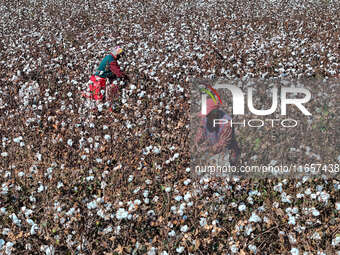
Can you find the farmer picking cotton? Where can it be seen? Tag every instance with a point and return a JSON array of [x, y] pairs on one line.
[[108, 69], [214, 140]]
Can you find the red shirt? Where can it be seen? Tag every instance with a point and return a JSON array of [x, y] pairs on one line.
[[114, 67]]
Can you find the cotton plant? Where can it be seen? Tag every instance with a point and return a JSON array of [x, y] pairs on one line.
[[160, 64]]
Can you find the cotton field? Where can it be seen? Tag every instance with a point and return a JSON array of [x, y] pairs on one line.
[[79, 180]]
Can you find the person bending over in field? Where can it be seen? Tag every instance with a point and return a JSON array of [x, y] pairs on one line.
[[108, 69], [214, 141]]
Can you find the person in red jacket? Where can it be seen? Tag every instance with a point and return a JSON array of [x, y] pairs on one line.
[[108, 69], [215, 141]]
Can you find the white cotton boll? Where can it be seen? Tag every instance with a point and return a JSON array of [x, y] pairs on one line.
[[34, 228], [294, 251], [313, 196], [121, 214], [156, 150], [315, 212], [181, 207], [324, 197], [167, 189], [6, 231], [3, 210], [101, 214], [319, 188], [49, 250], [59, 185], [141, 94], [146, 193], [137, 202], [41, 188], [100, 200], [131, 206], [152, 251], [17, 139], [299, 195], [100, 107], [291, 220], [203, 222], [336, 241], [130, 178], [273, 162], [295, 210], [172, 233], [187, 196], [8, 248], [242, 207], [90, 178], [38, 155], [155, 199], [32, 199], [187, 182], [254, 218], [4, 154], [250, 200], [316, 236], [285, 198], [234, 248], [70, 142], [136, 190], [146, 201], [108, 229], [337, 206], [15, 219], [298, 184], [92, 205], [178, 198], [184, 228], [27, 212], [252, 248], [248, 229], [103, 185], [180, 249], [7, 174]]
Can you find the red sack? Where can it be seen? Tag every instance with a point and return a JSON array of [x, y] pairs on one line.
[[96, 86]]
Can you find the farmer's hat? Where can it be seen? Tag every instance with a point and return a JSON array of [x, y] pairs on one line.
[[117, 51]]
